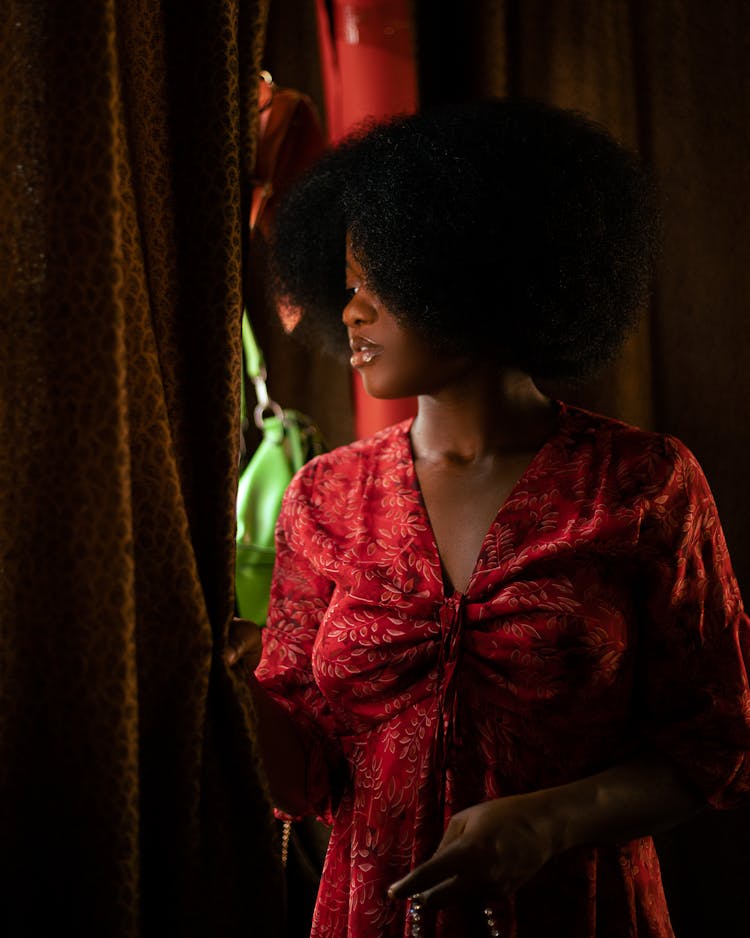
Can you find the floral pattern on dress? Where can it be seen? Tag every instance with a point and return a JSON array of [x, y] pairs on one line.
[[602, 618]]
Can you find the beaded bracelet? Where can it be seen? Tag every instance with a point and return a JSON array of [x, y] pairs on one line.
[[416, 908]]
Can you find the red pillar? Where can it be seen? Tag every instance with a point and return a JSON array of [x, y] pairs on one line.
[[368, 71]]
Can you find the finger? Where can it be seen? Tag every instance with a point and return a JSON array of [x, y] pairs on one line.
[[438, 868], [229, 655], [244, 637]]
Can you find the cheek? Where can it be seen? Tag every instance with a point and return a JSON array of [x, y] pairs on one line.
[[384, 379], [403, 371], [386, 374]]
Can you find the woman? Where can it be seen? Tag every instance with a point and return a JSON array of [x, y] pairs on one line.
[[505, 643]]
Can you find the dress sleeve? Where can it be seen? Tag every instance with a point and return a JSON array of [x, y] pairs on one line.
[[300, 595], [694, 646]]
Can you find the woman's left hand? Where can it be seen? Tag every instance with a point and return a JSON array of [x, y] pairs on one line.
[[244, 644], [488, 850]]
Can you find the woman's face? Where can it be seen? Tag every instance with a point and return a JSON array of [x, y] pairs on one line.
[[392, 359]]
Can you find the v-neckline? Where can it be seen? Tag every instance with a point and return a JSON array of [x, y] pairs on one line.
[[449, 590]]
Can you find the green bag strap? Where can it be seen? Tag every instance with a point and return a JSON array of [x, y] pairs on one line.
[[255, 365], [255, 369]]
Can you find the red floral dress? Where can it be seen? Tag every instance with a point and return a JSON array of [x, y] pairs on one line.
[[602, 618]]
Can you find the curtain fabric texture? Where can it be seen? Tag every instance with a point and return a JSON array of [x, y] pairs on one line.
[[130, 797]]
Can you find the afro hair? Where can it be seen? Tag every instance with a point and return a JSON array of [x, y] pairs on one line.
[[504, 229]]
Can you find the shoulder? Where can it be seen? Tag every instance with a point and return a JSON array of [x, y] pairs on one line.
[[635, 460], [330, 502], [347, 470]]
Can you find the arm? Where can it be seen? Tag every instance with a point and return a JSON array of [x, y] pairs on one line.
[[282, 753], [296, 731], [643, 796], [493, 848], [278, 740]]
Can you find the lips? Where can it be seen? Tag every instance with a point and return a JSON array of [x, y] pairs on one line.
[[364, 351]]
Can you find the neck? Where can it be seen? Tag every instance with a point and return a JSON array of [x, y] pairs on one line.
[[486, 413]]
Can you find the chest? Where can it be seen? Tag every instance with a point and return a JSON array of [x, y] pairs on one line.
[[548, 613], [462, 504]]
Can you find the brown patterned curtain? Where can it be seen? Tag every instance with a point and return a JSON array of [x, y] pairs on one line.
[[670, 78], [130, 799]]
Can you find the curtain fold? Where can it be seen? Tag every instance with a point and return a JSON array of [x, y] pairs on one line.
[[131, 800]]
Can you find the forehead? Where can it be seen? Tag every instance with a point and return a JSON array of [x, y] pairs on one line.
[[351, 259]]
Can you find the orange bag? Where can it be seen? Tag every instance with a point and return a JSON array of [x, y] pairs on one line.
[[290, 139]]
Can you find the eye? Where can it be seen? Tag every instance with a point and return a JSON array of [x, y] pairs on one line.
[[350, 293]]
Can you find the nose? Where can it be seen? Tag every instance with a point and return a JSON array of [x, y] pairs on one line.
[[357, 313]]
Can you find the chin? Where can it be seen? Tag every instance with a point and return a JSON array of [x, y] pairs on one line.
[[384, 390]]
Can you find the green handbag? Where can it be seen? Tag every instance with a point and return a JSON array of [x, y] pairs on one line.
[[289, 440]]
